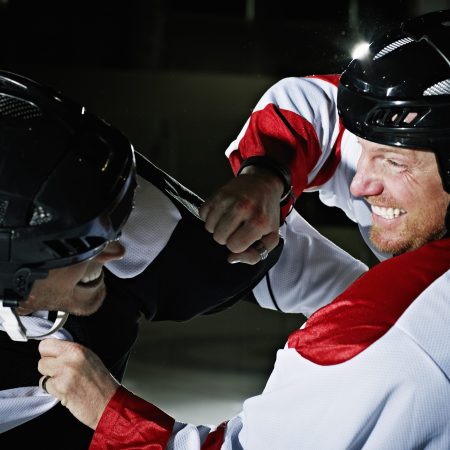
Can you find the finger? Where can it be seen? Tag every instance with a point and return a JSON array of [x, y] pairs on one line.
[[204, 210], [271, 240], [215, 213], [215, 203], [228, 225], [249, 232], [239, 242], [48, 365], [48, 385], [254, 254], [43, 382], [249, 256], [53, 347]]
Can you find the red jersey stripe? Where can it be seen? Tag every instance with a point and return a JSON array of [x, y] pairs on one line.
[[370, 306], [131, 422]]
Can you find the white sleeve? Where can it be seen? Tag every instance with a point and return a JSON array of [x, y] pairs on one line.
[[147, 231], [395, 394], [310, 273], [310, 123]]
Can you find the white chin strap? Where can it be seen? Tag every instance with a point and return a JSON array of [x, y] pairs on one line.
[[12, 324]]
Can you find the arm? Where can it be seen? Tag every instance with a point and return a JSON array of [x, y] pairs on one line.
[[164, 236], [310, 272], [295, 125], [120, 419]]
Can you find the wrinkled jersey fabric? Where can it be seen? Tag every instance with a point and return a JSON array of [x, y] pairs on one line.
[[370, 370], [165, 253], [296, 123], [21, 404]]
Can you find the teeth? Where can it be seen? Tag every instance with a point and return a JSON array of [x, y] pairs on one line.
[[91, 277], [387, 213]]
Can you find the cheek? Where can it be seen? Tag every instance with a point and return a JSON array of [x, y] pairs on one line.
[[65, 279]]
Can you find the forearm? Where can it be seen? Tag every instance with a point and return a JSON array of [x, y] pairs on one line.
[[295, 124], [131, 422]]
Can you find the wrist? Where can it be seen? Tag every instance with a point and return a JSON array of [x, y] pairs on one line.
[[257, 164], [273, 181]]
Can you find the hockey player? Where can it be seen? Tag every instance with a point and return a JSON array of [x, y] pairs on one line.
[[371, 369]]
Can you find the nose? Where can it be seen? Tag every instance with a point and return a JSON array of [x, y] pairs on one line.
[[366, 182], [114, 250]]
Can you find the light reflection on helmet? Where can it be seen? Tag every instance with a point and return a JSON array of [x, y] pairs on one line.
[[398, 94]]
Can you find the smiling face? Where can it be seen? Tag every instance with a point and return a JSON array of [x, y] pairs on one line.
[[78, 289], [406, 195]]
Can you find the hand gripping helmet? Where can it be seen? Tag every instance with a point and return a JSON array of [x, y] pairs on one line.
[[67, 182], [398, 94]]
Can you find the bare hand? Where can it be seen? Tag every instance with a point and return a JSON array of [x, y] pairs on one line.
[[243, 211], [78, 378]]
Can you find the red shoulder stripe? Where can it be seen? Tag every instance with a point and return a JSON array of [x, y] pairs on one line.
[[284, 136], [331, 78], [370, 306]]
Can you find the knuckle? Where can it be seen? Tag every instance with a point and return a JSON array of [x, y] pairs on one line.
[[76, 355], [261, 221], [244, 205], [78, 351]]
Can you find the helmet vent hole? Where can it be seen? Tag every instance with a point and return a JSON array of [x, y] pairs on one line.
[[68, 247], [21, 109], [394, 117], [404, 117], [393, 46], [64, 248], [60, 248], [40, 216], [441, 88], [3, 208]]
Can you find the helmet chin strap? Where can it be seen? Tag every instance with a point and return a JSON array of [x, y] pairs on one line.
[[17, 331]]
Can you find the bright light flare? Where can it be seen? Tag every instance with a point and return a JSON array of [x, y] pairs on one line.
[[360, 50]]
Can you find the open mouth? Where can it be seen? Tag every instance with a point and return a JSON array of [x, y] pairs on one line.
[[92, 280], [387, 213]]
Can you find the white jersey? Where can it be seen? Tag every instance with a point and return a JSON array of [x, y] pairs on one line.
[[311, 271], [299, 114], [299, 117], [368, 371], [324, 269], [371, 369]]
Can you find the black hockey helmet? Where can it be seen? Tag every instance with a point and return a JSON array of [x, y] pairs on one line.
[[398, 94], [67, 182]]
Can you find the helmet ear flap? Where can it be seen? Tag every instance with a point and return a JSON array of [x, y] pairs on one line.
[[20, 284]]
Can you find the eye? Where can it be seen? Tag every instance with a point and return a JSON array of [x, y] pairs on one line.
[[395, 164]]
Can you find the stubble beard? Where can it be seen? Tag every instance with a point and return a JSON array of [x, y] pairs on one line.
[[413, 234]]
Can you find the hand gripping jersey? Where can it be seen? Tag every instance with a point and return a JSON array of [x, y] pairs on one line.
[[296, 123], [370, 370], [163, 239]]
